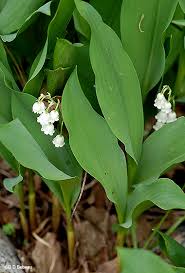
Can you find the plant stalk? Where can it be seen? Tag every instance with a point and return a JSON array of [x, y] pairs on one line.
[[22, 213], [56, 212], [32, 202], [120, 240], [70, 240], [134, 234]]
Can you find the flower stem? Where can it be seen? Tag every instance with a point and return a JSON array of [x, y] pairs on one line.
[[32, 201], [56, 212], [22, 213]]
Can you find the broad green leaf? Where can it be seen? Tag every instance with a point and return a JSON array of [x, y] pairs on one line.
[[27, 151], [93, 144], [140, 260], [5, 104], [5, 71], [109, 11], [45, 9], [180, 23], [14, 14], [179, 269], [182, 4], [7, 78], [35, 79], [55, 189], [2, 4], [176, 37], [62, 158], [64, 54], [3, 56], [161, 150], [56, 29], [8, 157], [143, 23], [81, 25], [57, 78], [163, 192], [174, 250], [67, 55], [10, 183], [179, 89], [67, 192], [58, 24], [117, 84]]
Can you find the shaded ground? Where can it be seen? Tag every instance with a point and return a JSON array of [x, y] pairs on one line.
[[46, 250]]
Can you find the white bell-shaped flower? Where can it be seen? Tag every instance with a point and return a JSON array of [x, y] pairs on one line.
[[38, 107], [171, 117], [162, 117], [167, 107], [54, 116], [44, 119], [48, 129], [158, 125], [160, 101], [59, 141]]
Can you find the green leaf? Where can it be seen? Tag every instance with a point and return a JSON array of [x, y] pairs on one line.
[[57, 78], [58, 24], [143, 23], [180, 23], [174, 250], [81, 25], [163, 192], [109, 11], [27, 151], [10, 159], [182, 4], [64, 54], [5, 104], [14, 14], [176, 37], [10, 183], [56, 29], [161, 150], [179, 269], [35, 80], [55, 189], [93, 144], [117, 85], [140, 260], [3, 56], [67, 55], [45, 9]]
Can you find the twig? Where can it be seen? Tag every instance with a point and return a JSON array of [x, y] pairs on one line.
[[22, 76], [80, 195]]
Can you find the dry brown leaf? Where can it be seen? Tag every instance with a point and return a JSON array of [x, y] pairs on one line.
[[109, 267], [90, 239], [48, 259]]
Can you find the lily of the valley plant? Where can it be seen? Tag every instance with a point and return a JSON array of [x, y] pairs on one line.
[[82, 103]]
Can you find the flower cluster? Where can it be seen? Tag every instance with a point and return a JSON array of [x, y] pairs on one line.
[[166, 114], [48, 117]]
